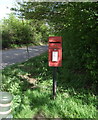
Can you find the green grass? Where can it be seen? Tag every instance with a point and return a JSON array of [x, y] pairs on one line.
[[31, 85]]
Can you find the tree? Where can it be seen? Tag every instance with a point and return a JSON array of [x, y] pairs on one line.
[[22, 32], [77, 23]]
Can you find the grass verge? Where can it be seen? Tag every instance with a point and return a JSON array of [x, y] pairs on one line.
[[31, 85]]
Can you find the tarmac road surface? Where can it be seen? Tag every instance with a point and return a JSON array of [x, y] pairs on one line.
[[12, 56]]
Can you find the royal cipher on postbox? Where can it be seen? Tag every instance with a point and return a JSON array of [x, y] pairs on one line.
[[55, 51]]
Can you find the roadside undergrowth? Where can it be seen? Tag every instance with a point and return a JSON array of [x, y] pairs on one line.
[[31, 85]]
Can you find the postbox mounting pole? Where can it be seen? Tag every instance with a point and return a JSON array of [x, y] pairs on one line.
[[54, 81]]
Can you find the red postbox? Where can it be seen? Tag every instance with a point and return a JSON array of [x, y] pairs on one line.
[[55, 51]]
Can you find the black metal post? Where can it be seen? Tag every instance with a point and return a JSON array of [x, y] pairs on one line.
[[54, 81]]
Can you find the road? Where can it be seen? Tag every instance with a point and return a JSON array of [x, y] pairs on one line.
[[12, 56]]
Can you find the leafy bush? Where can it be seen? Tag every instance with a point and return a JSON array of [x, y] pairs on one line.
[[80, 45]]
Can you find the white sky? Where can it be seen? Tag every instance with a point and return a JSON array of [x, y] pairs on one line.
[[5, 6]]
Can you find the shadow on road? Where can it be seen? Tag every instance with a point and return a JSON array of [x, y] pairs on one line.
[[19, 55]]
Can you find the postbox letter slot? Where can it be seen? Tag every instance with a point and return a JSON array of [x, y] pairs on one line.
[[54, 42]]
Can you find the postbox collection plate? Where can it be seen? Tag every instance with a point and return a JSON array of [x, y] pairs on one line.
[[54, 56]]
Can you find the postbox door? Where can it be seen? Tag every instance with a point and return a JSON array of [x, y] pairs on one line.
[[55, 57]]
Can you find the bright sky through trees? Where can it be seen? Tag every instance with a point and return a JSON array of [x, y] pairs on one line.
[[5, 6]]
